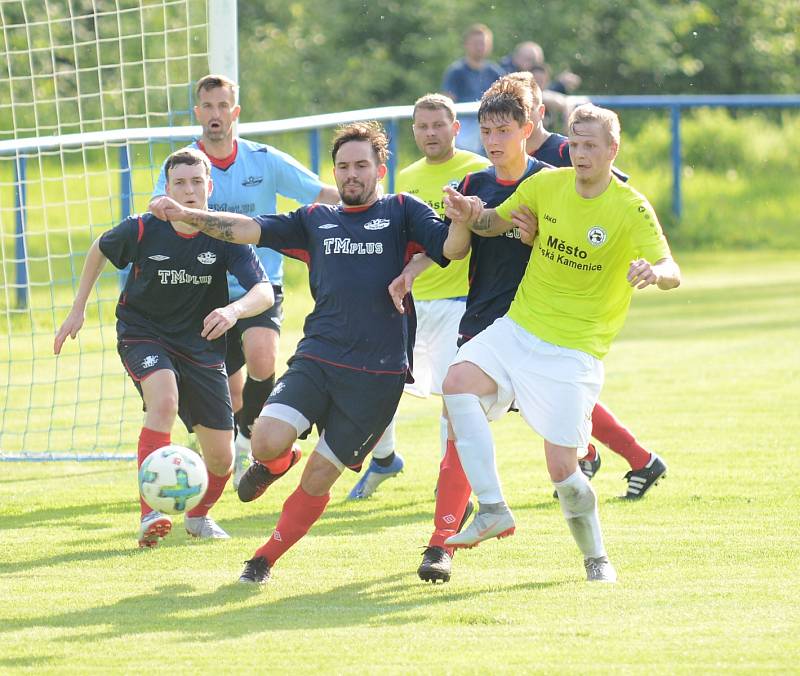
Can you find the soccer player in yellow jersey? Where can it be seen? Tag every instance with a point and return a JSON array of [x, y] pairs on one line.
[[439, 293], [597, 240]]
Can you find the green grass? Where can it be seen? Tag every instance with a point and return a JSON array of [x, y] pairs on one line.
[[706, 375]]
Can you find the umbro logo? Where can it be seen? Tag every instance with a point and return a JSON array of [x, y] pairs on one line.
[[251, 181], [328, 226], [207, 258], [377, 224], [159, 258]]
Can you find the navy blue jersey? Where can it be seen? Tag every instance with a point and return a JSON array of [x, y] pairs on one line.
[[175, 281], [353, 253], [496, 264], [555, 151]]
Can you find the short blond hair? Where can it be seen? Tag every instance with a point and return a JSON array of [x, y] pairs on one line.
[[435, 102], [588, 112]]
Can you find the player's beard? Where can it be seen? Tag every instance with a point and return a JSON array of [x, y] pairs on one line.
[[357, 199]]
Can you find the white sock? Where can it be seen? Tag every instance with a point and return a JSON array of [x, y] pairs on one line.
[[385, 446], [579, 505], [443, 436], [475, 446]]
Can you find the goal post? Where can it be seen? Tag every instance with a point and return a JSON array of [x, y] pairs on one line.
[[93, 95]]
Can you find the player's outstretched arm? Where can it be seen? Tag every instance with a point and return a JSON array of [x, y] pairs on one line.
[[664, 273], [329, 195], [92, 267], [228, 227], [258, 299], [403, 283], [468, 210]]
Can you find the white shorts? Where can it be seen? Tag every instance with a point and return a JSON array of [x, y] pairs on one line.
[[435, 346], [555, 388]]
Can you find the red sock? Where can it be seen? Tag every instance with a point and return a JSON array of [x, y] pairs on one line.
[[299, 513], [281, 463], [216, 484], [591, 453], [611, 432], [149, 441], [452, 495]]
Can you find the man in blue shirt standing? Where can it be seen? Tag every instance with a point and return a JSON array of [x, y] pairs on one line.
[[467, 79]]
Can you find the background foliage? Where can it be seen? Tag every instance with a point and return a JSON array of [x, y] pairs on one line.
[[344, 55]]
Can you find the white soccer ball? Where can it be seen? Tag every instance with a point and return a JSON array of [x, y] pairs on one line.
[[173, 479]]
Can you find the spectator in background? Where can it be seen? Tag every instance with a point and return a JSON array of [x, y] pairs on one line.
[[529, 57], [467, 79]]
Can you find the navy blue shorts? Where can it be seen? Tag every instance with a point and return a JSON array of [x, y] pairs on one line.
[[203, 394], [352, 407], [270, 319]]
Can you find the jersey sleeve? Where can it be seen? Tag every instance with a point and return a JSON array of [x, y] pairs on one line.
[[425, 228], [292, 179], [524, 194], [647, 237], [243, 264], [120, 243], [284, 232]]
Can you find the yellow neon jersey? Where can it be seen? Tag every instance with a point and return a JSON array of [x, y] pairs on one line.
[[575, 292], [425, 181]]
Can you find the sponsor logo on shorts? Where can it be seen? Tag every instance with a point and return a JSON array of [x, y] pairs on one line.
[[279, 387], [453, 184], [252, 181], [276, 321], [158, 257], [377, 224], [149, 361], [207, 258], [596, 235], [327, 226]]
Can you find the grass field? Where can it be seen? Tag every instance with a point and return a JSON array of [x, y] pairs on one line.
[[707, 375]]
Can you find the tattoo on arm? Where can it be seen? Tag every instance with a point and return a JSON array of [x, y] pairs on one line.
[[483, 224], [214, 225]]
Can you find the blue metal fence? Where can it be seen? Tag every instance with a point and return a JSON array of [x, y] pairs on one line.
[[392, 117]]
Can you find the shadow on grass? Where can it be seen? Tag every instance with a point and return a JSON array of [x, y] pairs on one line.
[[230, 613], [67, 516], [59, 477]]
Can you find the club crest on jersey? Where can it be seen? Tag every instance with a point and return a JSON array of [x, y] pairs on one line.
[[377, 224], [159, 258], [149, 361], [596, 235], [251, 181], [207, 258]]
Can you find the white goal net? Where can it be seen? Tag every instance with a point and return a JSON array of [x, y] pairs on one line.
[[84, 86]]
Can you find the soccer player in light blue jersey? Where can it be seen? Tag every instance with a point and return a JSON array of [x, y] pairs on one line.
[[247, 178]]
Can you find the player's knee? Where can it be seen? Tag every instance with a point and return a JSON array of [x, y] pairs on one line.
[[457, 380], [577, 499], [164, 405], [261, 368], [270, 438]]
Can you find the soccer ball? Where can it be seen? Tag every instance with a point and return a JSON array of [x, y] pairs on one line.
[[173, 479]]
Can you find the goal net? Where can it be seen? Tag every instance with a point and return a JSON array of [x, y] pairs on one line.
[[91, 93]]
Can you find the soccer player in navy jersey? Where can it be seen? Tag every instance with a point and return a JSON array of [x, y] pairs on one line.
[[646, 467], [496, 266], [247, 178], [349, 369], [172, 317]]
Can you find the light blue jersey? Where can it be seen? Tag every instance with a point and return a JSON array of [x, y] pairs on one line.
[[249, 184]]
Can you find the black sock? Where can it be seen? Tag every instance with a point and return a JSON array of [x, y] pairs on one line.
[[384, 462], [254, 396]]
